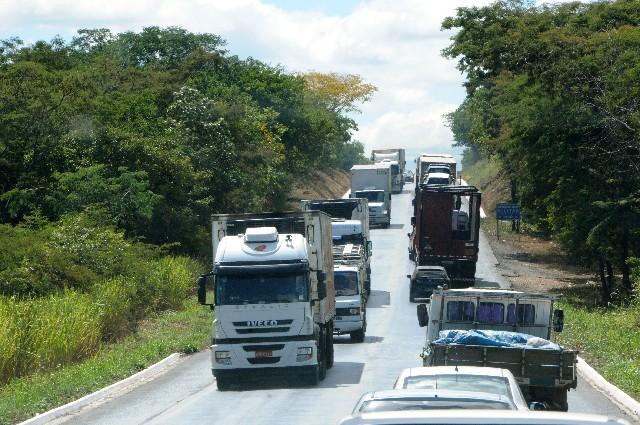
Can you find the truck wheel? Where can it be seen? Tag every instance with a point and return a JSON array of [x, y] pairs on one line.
[[330, 351], [357, 336], [322, 357]]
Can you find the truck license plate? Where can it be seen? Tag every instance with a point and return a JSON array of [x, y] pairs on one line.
[[264, 353]]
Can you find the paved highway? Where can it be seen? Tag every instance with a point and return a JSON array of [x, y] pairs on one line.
[[187, 394]]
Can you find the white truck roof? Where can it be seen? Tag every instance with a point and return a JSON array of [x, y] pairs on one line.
[[258, 244], [381, 165]]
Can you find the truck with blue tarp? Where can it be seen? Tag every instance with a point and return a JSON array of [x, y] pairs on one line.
[[505, 329]]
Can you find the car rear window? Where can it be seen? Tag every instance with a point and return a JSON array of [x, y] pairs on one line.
[[398, 405], [526, 315], [491, 313], [460, 311], [478, 383]]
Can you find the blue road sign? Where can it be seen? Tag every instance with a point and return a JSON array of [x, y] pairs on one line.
[[506, 211]]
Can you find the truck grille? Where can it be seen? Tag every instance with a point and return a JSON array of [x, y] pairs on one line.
[[272, 347]]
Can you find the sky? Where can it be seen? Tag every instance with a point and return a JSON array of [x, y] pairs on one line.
[[393, 44]]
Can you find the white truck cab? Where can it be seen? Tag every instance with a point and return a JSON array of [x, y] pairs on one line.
[[351, 313], [274, 296]]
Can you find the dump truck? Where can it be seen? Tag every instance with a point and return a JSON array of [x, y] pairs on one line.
[[272, 288], [504, 329]]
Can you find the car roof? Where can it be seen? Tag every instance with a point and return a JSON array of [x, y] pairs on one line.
[[451, 370], [480, 417], [413, 394], [438, 175]]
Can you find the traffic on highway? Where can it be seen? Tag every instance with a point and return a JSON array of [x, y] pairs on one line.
[[325, 316]]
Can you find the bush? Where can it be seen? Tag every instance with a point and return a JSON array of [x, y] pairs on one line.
[[166, 283]]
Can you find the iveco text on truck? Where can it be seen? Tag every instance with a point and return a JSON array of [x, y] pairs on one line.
[[504, 329], [273, 294], [373, 182], [395, 158]]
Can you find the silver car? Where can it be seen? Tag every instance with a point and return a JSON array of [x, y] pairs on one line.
[[464, 378], [399, 400], [478, 417]]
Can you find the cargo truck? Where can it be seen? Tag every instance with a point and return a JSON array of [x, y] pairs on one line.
[[349, 226], [373, 182], [503, 329], [272, 287], [424, 161], [351, 295], [446, 228], [396, 159]]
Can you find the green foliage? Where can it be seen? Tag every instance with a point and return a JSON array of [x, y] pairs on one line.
[[163, 334], [158, 129], [552, 92]]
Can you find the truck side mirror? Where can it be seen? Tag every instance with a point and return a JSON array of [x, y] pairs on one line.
[[409, 276], [413, 221], [202, 289], [423, 315], [558, 320], [369, 247], [322, 285]]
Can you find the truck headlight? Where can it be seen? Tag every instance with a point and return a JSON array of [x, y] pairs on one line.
[[304, 354], [354, 311], [223, 357]]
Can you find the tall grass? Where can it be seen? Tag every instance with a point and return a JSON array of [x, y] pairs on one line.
[[49, 332]]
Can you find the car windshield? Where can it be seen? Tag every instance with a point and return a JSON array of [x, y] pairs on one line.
[[377, 196], [432, 404], [459, 382], [261, 289], [346, 283]]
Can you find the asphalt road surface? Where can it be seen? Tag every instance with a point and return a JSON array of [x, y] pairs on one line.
[[187, 393]]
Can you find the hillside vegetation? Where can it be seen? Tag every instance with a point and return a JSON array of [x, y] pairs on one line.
[[115, 150], [552, 93]]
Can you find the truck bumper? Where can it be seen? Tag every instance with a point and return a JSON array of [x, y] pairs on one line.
[[347, 324], [249, 356], [265, 372]]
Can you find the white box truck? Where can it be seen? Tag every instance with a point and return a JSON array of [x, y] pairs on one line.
[[373, 182], [349, 225], [396, 160], [428, 159], [272, 287]]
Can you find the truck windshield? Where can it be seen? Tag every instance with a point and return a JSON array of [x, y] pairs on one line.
[[377, 196], [261, 289], [346, 283]]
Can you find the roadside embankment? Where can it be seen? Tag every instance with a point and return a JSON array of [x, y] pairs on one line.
[[327, 184]]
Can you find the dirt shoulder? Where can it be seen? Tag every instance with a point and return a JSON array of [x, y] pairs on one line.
[[533, 264]]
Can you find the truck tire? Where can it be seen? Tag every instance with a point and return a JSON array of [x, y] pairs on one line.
[[322, 356], [553, 398], [358, 336], [330, 350]]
